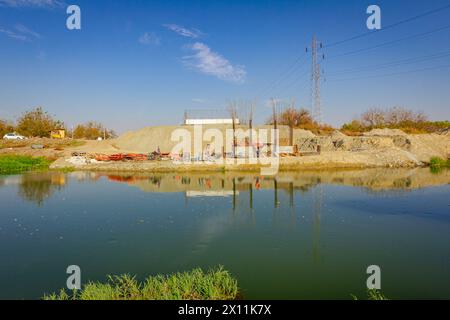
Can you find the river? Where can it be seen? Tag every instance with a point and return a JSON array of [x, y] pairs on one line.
[[302, 235]]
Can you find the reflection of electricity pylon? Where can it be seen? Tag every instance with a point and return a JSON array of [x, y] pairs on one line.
[[318, 200], [292, 204], [315, 79]]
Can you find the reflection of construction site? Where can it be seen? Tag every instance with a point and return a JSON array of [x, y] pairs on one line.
[[39, 186], [224, 184]]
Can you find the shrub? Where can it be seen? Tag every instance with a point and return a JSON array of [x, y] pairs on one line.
[[439, 163]]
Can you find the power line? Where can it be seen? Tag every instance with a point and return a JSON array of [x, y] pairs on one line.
[[396, 63], [305, 81], [388, 43], [389, 26], [392, 74], [283, 76]]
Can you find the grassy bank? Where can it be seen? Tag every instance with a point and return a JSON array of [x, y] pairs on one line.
[[12, 164], [216, 284]]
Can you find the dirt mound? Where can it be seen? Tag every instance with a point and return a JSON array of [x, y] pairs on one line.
[[148, 139], [338, 134], [385, 133], [301, 133]]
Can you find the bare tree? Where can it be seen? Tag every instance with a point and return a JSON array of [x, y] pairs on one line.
[[392, 117], [373, 117]]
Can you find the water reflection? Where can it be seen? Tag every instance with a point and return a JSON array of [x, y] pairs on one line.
[[37, 187]]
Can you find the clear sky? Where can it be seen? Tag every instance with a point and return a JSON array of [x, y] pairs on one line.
[[143, 62]]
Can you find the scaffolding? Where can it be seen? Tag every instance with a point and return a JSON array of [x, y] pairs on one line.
[[208, 116]]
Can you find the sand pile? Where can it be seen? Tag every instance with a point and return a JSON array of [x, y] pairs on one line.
[[300, 133], [147, 140], [385, 133], [338, 134]]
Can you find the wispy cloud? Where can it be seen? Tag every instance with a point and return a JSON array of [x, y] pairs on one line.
[[209, 62], [26, 31], [13, 35], [21, 33], [182, 31], [149, 38], [199, 100], [32, 3]]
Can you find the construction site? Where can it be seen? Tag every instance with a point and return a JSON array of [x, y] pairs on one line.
[[149, 149]]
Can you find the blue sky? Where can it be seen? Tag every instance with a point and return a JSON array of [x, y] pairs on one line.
[[143, 62]]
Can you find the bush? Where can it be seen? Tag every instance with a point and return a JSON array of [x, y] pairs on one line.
[[216, 284], [439, 163]]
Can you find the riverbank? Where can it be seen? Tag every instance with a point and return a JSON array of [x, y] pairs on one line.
[[389, 158], [377, 149]]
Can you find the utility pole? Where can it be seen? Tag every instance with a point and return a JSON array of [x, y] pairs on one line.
[[315, 80], [274, 150], [233, 113], [274, 113], [250, 126]]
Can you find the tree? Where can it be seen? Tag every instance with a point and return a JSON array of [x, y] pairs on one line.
[[373, 118], [5, 127], [37, 123], [394, 118], [92, 131], [293, 117]]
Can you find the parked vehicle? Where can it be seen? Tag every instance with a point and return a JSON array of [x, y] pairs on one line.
[[13, 136]]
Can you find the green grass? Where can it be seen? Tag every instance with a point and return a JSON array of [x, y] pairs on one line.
[[437, 163], [373, 294], [11, 164], [215, 284]]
